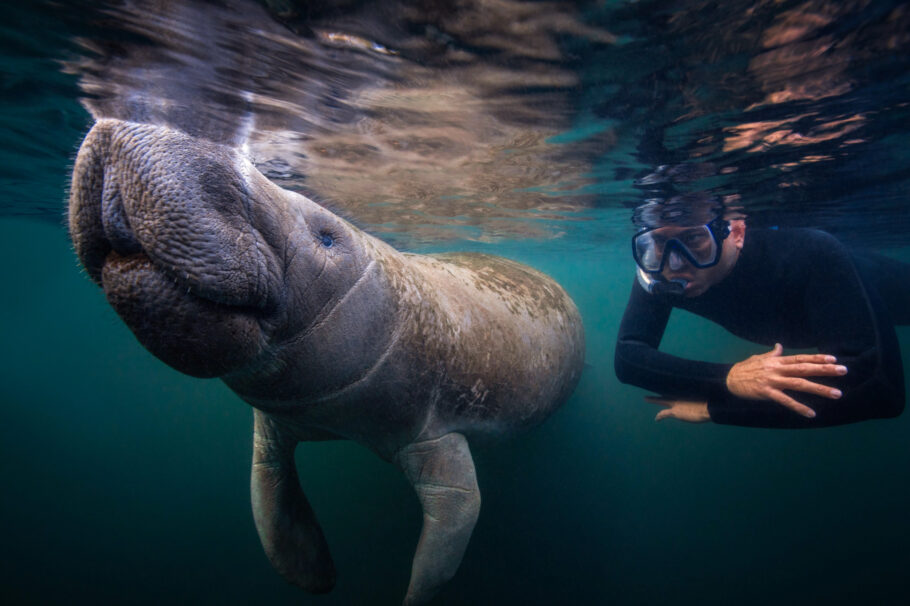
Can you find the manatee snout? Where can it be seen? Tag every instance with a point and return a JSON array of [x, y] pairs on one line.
[[165, 228]]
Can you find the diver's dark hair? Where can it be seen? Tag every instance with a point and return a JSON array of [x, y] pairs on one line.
[[684, 210]]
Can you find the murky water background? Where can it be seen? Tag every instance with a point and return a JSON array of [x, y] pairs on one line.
[[519, 128]]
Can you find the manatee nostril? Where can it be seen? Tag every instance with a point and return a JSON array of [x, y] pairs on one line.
[[116, 226]]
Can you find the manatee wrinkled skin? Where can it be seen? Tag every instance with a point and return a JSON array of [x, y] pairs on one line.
[[326, 331]]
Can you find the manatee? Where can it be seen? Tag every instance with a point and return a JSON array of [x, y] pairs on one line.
[[328, 332]]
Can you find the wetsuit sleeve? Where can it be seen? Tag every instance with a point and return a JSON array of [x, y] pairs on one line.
[[848, 321], [638, 362]]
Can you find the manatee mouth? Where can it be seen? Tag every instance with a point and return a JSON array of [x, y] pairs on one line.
[[134, 274], [193, 334], [111, 240], [193, 326]]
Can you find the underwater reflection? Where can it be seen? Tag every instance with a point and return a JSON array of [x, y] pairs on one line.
[[506, 119], [407, 116], [783, 107]]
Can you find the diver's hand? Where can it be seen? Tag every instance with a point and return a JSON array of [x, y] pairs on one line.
[[683, 410], [765, 376]]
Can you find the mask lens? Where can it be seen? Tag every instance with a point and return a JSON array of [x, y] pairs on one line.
[[649, 251], [700, 244]]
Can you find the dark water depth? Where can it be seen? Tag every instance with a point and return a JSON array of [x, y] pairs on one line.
[[127, 482], [529, 131]]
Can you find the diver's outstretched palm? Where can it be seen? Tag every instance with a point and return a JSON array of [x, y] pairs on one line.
[[765, 376]]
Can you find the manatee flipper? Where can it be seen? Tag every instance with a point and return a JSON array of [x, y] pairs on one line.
[[442, 473], [287, 526]]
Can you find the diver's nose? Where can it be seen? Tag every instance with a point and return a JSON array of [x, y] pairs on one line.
[[675, 261]]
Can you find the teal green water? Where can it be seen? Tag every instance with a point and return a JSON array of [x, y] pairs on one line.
[[126, 482]]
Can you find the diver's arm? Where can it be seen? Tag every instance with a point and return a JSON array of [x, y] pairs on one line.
[[763, 378], [849, 323], [638, 362]]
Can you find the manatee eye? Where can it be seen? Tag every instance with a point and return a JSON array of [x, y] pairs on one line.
[[327, 240]]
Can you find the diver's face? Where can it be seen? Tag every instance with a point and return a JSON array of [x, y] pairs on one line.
[[701, 280]]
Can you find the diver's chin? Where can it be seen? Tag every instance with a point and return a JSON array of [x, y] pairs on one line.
[[696, 289], [692, 290]]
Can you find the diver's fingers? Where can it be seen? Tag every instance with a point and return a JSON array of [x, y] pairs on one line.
[[666, 413], [785, 400], [807, 369], [797, 384], [808, 359]]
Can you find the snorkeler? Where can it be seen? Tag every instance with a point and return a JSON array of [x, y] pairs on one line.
[[788, 288]]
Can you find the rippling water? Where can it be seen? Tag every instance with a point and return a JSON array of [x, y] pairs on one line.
[[528, 129], [485, 121]]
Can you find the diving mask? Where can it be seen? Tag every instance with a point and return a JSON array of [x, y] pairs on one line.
[[672, 246], [700, 245]]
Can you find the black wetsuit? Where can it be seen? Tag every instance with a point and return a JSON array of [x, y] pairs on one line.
[[800, 288]]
